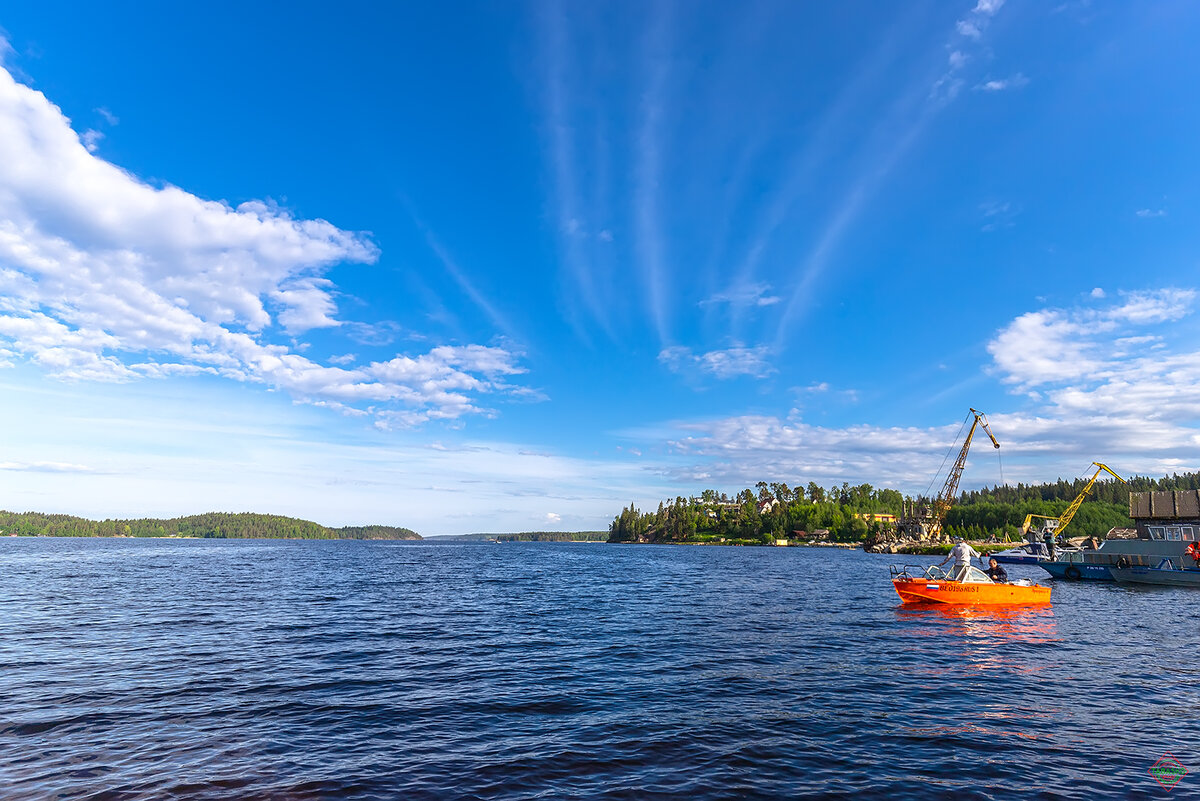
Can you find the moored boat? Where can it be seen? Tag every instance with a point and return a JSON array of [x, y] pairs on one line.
[[1167, 522], [1028, 553], [971, 587], [1165, 574]]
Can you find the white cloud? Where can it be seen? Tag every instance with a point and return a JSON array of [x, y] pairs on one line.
[[108, 116], [1161, 306], [1116, 380], [552, 518], [45, 467], [969, 38], [307, 305], [1108, 372], [742, 450], [1151, 212], [1098, 293], [104, 277], [723, 364], [1057, 345], [1042, 346], [1000, 84]]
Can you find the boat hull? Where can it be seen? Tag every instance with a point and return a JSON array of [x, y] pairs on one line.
[[1077, 571], [925, 591], [1157, 576]]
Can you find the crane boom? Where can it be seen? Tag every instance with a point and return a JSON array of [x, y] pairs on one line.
[[1064, 519], [946, 497]]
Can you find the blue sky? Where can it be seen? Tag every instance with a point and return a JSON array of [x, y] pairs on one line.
[[486, 267]]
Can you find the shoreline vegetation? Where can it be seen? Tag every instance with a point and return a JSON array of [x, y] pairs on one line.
[[525, 536], [212, 525], [776, 514]]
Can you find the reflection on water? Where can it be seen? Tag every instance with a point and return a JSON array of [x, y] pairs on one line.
[[194, 669], [1031, 624]]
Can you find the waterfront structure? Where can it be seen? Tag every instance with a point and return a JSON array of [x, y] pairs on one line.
[[1166, 522]]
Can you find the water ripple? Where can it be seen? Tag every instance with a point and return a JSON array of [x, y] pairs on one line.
[[322, 670]]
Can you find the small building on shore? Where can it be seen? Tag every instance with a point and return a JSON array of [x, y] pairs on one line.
[[1166, 515]]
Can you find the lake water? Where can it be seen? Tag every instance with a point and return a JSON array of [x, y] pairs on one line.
[[149, 669]]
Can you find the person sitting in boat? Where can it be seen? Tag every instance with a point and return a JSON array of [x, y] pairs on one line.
[[995, 572], [962, 554], [1193, 551]]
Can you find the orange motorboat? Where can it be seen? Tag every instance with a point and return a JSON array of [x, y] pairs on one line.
[[971, 587]]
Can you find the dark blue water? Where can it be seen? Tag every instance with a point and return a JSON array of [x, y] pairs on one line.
[[310, 670]]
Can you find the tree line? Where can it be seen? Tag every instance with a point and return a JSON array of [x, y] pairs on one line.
[[246, 525], [761, 516], [1108, 491], [774, 511], [553, 536]]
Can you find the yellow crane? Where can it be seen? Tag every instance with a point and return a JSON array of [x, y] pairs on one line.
[[929, 525], [949, 493], [1057, 524]]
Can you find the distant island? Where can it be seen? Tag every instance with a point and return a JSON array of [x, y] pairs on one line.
[[528, 536], [775, 513], [218, 525]]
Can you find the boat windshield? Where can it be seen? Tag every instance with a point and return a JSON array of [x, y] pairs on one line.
[[974, 575]]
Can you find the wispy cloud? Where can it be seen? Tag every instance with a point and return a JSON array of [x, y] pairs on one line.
[[376, 334], [1152, 212], [45, 467], [1000, 84], [894, 134], [723, 364], [498, 320], [998, 214], [587, 295], [757, 294], [799, 175], [91, 139], [650, 241], [970, 31]]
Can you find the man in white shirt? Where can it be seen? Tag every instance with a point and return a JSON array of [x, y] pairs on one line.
[[962, 554]]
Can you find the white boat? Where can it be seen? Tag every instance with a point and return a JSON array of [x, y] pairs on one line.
[[1028, 553]]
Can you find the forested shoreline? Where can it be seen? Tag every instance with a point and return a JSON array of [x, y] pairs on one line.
[[552, 536], [772, 512], [219, 525]]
